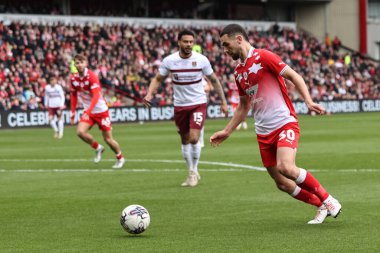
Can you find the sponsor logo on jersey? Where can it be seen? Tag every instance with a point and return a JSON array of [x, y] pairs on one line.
[[194, 63]]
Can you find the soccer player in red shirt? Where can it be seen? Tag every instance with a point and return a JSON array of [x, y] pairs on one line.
[[260, 80], [86, 87]]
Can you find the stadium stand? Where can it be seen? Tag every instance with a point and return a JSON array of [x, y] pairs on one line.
[[126, 57]]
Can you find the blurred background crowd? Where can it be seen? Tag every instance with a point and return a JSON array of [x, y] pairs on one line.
[[126, 58]]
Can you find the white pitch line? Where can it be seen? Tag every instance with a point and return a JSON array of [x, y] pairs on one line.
[[139, 161], [231, 166], [112, 170]]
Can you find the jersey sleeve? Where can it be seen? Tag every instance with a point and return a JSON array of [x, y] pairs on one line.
[[95, 91], [164, 68], [94, 81], [273, 62], [207, 69]]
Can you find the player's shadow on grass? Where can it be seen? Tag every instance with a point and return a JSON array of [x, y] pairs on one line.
[[133, 237]]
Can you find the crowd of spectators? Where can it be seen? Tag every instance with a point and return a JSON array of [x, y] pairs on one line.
[[126, 58]]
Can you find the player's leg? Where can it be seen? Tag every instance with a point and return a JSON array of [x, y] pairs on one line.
[[244, 124], [60, 124], [201, 137], [196, 121], [307, 181], [182, 124], [304, 179], [196, 149], [289, 186], [181, 118], [287, 168], [52, 122], [104, 122], [83, 128], [285, 157], [114, 145], [268, 151]]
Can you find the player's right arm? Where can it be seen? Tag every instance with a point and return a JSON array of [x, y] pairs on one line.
[[239, 115], [301, 87], [153, 86]]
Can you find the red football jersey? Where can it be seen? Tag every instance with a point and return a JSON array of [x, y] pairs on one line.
[[83, 86], [259, 78]]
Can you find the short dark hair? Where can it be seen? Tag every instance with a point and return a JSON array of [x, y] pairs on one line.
[[185, 32], [80, 57], [234, 29]]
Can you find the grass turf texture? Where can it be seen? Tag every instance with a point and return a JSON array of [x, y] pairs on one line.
[[77, 208]]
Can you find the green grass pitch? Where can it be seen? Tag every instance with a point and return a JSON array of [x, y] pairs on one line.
[[53, 198]]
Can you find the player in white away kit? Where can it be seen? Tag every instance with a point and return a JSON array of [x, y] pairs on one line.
[[54, 102], [86, 86], [260, 79], [187, 69]]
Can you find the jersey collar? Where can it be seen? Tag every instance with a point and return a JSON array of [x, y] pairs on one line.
[[84, 73], [249, 55]]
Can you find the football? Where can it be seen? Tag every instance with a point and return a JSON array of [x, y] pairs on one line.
[[135, 219]]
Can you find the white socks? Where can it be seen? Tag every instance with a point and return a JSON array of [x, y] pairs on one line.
[[54, 125], [191, 154], [201, 137], [296, 191], [301, 177], [60, 126], [186, 152], [196, 154]]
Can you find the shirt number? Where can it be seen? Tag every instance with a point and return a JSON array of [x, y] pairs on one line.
[[198, 118]]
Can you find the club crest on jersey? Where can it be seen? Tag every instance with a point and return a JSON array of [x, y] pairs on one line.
[[251, 91], [245, 75], [194, 63]]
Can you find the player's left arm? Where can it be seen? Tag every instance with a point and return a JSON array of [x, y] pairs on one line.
[[218, 88], [301, 87], [62, 95]]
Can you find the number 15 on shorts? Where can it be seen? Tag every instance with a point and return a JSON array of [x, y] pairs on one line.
[[198, 118]]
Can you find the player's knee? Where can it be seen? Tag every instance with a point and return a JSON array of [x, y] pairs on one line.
[[193, 140], [283, 187], [286, 169], [108, 140], [80, 133]]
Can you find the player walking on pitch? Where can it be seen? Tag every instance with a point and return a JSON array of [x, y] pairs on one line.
[[86, 86], [54, 102], [190, 101], [260, 80]]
